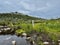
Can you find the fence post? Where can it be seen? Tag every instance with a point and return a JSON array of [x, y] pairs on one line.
[[33, 23]]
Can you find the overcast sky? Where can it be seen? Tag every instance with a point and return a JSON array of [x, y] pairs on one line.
[[38, 8]]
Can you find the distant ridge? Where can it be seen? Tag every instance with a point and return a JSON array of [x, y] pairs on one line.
[[18, 15]]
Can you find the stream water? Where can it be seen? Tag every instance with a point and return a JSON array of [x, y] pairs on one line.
[[7, 40]]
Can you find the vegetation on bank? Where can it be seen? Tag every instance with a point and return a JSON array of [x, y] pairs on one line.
[[23, 23]]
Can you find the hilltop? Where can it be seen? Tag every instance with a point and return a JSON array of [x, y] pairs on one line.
[[16, 15]]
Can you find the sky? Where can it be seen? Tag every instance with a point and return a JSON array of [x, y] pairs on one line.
[[38, 8]]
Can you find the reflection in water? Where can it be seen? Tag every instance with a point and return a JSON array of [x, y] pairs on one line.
[[7, 40]]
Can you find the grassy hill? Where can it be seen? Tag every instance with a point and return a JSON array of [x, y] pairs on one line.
[[15, 17], [18, 16]]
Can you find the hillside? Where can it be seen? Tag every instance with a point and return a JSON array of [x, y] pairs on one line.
[[16, 15]]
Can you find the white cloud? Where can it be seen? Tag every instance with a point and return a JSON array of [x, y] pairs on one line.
[[24, 12], [8, 2], [47, 7], [0, 8], [35, 6], [28, 6]]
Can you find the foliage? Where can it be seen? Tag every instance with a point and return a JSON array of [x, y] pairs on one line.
[[19, 31]]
